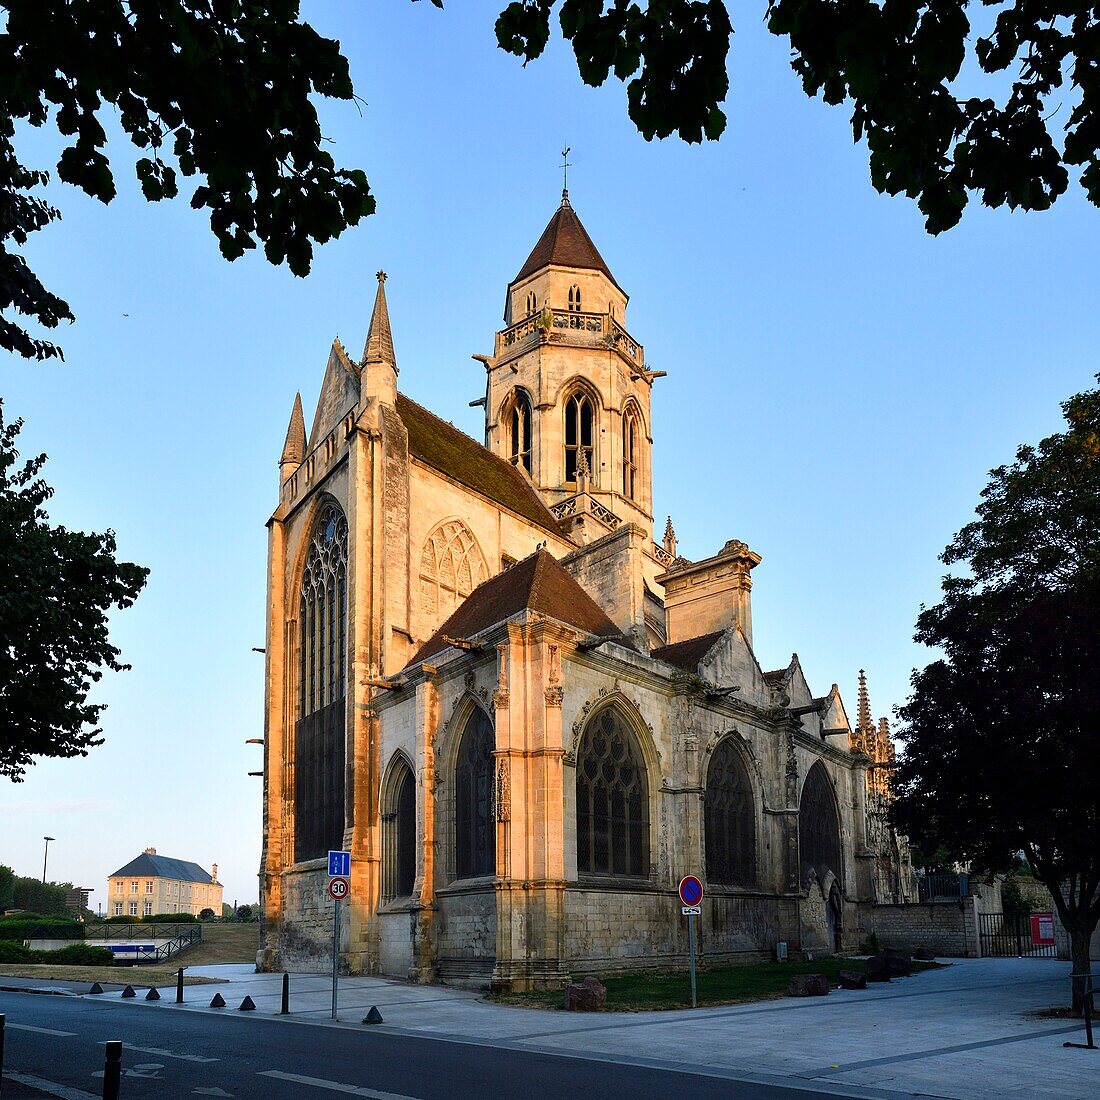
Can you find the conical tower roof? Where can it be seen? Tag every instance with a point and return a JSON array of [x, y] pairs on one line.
[[564, 243], [379, 346], [294, 448]]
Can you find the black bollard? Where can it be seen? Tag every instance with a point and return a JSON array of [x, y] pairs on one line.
[[285, 1010], [217, 1001], [247, 1005], [152, 995], [179, 986], [1, 1049], [129, 991], [112, 1068], [96, 989]]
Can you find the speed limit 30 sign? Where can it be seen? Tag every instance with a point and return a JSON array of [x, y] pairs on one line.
[[338, 888]]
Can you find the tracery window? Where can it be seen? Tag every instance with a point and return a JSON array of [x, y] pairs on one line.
[[520, 430], [575, 298], [818, 826], [531, 303], [322, 689], [612, 799], [451, 567], [399, 835], [475, 834], [579, 417], [631, 446], [730, 819]]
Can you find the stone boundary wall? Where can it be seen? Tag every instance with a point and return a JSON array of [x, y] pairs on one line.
[[947, 927]]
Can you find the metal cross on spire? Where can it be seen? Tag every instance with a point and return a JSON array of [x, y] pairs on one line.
[[565, 166]]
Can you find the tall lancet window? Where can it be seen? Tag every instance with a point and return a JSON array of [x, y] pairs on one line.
[[631, 447], [520, 426], [532, 303], [322, 690], [475, 835], [578, 434], [575, 297], [730, 819]]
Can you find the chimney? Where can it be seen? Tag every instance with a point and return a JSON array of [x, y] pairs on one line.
[[214, 872], [150, 851], [704, 596]]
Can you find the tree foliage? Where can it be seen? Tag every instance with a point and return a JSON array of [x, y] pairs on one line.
[[1002, 733], [56, 589], [897, 64], [217, 90]]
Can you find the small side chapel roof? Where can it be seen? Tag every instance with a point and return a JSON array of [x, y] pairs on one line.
[[537, 583], [564, 243], [452, 452], [687, 654]]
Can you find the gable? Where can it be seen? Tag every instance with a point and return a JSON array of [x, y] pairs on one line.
[[339, 392]]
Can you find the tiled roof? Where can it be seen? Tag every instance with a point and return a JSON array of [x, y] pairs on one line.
[[564, 242], [151, 866], [537, 583], [687, 654], [443, 447]]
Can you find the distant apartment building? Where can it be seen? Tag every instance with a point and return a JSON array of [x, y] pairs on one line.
[[153, 884]]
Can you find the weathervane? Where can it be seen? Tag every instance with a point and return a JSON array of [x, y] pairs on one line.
[[565, 166]]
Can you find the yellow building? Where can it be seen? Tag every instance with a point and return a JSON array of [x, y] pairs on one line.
[[153, 884]]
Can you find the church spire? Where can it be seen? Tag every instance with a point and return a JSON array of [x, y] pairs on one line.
[[294, 448], [379, 345], [866, 723]]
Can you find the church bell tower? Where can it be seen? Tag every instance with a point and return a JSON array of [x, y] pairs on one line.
[[568, 394]]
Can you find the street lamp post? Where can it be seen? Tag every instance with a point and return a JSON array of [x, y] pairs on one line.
[[46, 855]]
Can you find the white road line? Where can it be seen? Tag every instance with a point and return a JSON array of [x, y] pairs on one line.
[[168, 1053], [63, 1092], [335, 1086], [42, 1030]]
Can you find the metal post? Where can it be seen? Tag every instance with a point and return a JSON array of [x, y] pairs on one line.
[[285, 1010], [112, 1068], [1088, 1044], [335, 952], [179, 986], [2, 1017], [691, 947]]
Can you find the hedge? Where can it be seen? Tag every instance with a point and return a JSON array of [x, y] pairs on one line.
[[20, 930], [76, 954]]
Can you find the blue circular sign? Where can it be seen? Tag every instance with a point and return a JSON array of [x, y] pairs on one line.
[[691, 890]]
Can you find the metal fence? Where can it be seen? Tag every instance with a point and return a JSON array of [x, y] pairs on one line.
[[943, 887], [1012, 935]]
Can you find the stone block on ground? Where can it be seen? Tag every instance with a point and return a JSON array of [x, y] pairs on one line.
[[808, 985], [900, 964], [878, 968], [853, 979], [587, 996], [923, 954]]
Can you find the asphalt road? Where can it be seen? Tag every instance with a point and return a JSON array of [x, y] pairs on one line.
[[172, 1054]]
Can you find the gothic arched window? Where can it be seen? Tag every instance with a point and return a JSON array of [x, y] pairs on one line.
[[322, 688], [730, 819], [531, 303], [818, 826], [399, 835], [612, 799], [631, 451], [475, 832], [579, 417], [575, 297], [451, 567], [520, 430]]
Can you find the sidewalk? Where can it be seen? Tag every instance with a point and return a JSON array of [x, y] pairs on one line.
[[958, 1032]]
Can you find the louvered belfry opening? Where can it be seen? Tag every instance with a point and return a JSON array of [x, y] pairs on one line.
[[818, 826], [322, 690], [612, 799], [730, 819], [475, 837]]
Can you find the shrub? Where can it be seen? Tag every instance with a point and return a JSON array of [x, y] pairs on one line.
[[172, 918], [76, 954], [14, 952], [20, 930]]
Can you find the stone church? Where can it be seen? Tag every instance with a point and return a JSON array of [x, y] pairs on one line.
[[525, 717]]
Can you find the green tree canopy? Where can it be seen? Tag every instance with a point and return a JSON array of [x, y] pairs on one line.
[[910, 70], [56, 589], [1002, 733], [218, 90]]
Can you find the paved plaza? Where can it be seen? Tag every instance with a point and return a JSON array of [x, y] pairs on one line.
[[963, 1031]]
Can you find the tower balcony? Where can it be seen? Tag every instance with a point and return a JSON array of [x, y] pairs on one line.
[[569, 326]]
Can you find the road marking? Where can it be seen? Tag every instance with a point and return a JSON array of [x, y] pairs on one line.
[[168, 1053], [42, 1030], [210, 1092], [63, 1092], [335, 1086]]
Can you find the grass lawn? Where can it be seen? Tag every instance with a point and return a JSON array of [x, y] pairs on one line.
[[221, 943], [719, 986]]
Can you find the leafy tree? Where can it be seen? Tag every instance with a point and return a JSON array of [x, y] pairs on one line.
[[245, 913], [206, 914], [36, 896], [7, 888], [898, 65], [56, 588], [219, 90], [1002, 733]]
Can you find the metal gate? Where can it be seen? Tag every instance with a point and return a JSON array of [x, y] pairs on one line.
[[1017, 935]]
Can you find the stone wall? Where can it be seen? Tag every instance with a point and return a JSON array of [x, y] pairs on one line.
[[943, 927], [467, 929]]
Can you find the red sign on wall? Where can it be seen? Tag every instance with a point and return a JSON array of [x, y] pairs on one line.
[[1042, 929]]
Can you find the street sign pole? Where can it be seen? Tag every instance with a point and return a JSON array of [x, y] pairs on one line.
[[335, 952], [691, 947]]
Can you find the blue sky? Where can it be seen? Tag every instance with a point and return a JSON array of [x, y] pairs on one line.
[[838, 382]]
